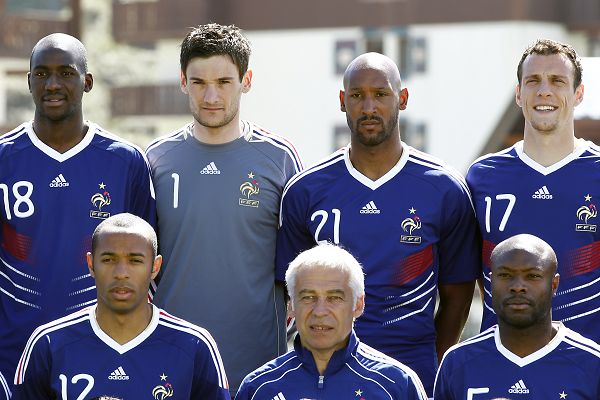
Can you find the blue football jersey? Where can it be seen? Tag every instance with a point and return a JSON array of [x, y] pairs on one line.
[[410, 229], [513, 194], [481, 368], [50, 203], [72, 358], [5, 392]]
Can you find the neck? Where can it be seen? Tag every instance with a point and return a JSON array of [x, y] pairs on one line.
[[122, 328], [322, 360], [548, 148], [524, 342], [223, 134], [376, 161], [60, 135]]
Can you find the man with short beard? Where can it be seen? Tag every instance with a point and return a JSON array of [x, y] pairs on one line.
[[405, 215], [526, 355]]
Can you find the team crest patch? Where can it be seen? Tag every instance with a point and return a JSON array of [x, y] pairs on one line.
[[409, 225], [584, 213], [164, 391], [248, 189], [99, 200]]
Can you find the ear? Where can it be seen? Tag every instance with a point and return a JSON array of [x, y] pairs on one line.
[[29, 81], [89, 258], [555, 281], [342, 101], [290, 309], [403, 98], [156, 266], [579, 94], [183, 82], [88, 82], [518, 95], [359, 308], [247, 81]]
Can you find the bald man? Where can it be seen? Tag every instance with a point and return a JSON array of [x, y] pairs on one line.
[[405, 215], [60, 176], [532, 356]]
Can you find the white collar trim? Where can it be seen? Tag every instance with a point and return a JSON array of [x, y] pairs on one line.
[[580, 147], [123, 348], [60, 157], [521, 362], [373, 185]]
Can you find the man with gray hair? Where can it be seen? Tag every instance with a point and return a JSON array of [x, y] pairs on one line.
[[327, 291]]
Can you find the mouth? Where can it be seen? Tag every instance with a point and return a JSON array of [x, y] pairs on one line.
[[121, 292], [545, 108], [320, 328], [53, 99], [517, 303]]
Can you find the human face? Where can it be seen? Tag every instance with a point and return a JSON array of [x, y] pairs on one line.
[[522, 289], [214, 90], [123, 265], [546, 93], [57, 82], [324, 310], [372, 104]]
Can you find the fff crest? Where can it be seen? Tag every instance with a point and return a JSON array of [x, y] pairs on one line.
[[248, 189], [584, 213], [100, 200], [409, 225]]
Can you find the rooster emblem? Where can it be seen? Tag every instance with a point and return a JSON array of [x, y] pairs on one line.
[[584, 213], [100, 200], [411, 224], [162, 392], [248, 189]]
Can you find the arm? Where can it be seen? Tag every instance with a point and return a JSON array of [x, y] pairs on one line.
[[441, 388], [142, 198], [209, 380], [452, 314], [32, 379]]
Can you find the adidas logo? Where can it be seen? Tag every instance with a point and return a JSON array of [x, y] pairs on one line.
[[118, 375], [370, 208], [210, 169], [519, 388], [59, 181], [279, 396], [542, 193]]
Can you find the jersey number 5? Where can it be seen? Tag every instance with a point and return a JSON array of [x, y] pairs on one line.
[[512, 199]]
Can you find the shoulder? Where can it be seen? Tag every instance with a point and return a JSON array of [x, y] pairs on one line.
[[492, 161], [276, 147], [434, 170], [273, 371], [582, 343], [15, 139], [116, 145], [186, 332], [168, 142], [380, 367], [470, 348], [58, 333], [322, 172]]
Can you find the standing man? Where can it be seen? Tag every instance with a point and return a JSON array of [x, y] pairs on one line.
[[59, 177], [219, 182], [327, 289], [122, 346], [525, 356], [557, 189], [402, 213]]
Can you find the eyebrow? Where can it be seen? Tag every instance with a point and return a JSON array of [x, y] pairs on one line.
[[112, 253], [332, 291], [221, 78], [550, 75]]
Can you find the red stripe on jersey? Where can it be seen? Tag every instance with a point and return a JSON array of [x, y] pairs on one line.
[[16, 244], [582, 260], [486, 252], [413, 266]]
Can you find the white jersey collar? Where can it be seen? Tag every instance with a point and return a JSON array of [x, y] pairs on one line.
[[123, 348], [60, 157], [523, 361], [580, 147], [373, 185]]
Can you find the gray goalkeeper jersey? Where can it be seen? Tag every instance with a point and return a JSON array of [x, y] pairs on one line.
[[218, 208]]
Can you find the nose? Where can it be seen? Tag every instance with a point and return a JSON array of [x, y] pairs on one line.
[[544, 88], [321, 307], [517, 285], [211, 94], [369, 106], [52, 82], [121, 270]]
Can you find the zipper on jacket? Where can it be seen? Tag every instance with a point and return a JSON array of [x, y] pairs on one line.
[[320, 384]]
